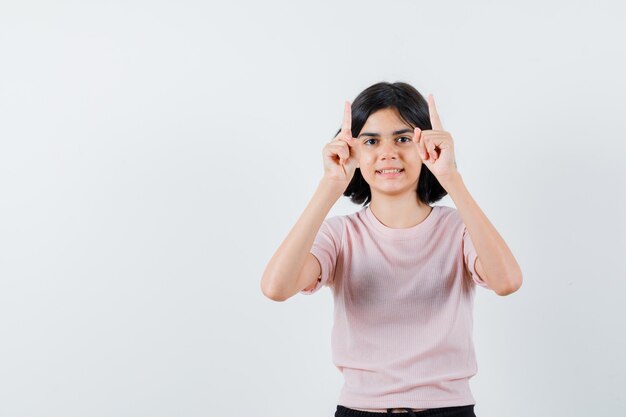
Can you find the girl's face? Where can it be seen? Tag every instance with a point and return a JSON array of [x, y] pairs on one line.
[[385, 141]]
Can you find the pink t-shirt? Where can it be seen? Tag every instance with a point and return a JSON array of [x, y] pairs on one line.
[[403, 305]]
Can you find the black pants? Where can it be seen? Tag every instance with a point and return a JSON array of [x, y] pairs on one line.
[[458, 411]]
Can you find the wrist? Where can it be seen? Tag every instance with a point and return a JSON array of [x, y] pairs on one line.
[[450, 180], [333, 185], [453, 185]]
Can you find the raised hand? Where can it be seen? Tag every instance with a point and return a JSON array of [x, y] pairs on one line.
[[436, 146], [339, 155]]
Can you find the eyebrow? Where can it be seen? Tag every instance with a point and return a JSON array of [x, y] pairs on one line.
[[397, 132]]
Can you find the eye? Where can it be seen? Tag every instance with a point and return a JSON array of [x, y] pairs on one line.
[[408, 139]]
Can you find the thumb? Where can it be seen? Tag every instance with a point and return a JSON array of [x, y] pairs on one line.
[[348, 140], [416, 134]]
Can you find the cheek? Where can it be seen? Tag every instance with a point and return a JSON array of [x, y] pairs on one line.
[[366, 162], [367, 169]]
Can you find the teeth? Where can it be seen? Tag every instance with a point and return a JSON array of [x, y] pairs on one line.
[[388, 171]]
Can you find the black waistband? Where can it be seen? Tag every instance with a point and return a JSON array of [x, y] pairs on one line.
[[431, 412]]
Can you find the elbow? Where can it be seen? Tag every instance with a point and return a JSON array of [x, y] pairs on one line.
[[268, 292], [504, 292], [513, 284], [275, 297]]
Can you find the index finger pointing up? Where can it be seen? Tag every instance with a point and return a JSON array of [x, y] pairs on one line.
[[347, 118], [434, 116]]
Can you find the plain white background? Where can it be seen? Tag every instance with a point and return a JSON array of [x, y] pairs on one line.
[[154, 154]]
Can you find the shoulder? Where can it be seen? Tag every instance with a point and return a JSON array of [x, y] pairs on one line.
[[336, 220], [333, 227], [340, 226], [335, 223], [447, 214], [449, 218], [339, 221]]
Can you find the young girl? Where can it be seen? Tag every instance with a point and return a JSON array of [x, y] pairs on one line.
[[402, 272]]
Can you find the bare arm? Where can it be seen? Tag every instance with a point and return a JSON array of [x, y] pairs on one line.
[[495, 264], [280, 278], [293, 267]]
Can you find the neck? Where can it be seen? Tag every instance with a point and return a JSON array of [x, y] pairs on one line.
[[399, 212]]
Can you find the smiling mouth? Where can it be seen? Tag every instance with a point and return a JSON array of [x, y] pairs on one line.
[[390, 174]]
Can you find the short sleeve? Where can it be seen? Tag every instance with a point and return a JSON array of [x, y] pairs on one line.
[[470, 256], [326, 249]]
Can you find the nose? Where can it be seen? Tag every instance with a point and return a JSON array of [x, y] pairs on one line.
[[388, 151]]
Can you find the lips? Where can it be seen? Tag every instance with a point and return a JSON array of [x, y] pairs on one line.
[[386, 169], [390, 175]]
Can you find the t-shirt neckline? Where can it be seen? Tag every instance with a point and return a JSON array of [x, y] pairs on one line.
[[401, 233]]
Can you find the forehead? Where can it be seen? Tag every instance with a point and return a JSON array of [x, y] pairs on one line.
[[384, 121]]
